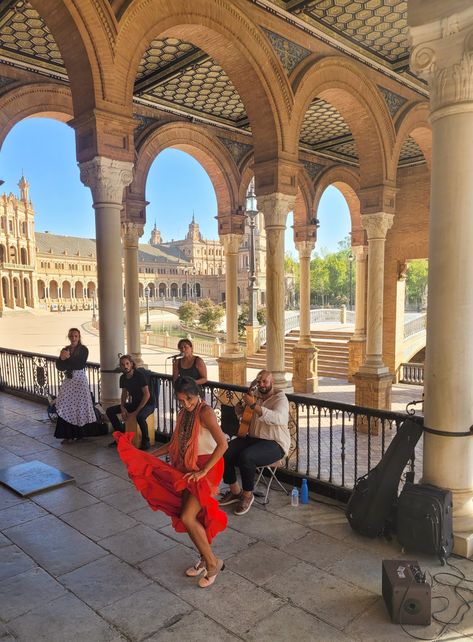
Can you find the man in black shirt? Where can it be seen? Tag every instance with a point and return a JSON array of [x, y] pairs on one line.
[[135, 400]]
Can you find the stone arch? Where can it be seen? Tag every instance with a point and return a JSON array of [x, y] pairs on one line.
[[26, 291], [343, 84], [141, 290], [223, 31], [12, 254], [346, 180], [79, 290], [85, 35], [174, 290], [53, 289], [41, 288], [23, 256], [38, 99], [91, 289], [3, 253], [5, 291], [66, 289], [195, 141], [414, 122], [303, 209], [16, 291], [162, 290]]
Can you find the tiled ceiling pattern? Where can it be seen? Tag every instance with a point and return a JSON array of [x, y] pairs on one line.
[[411, 154], [23, 34], [174, 73], [377, 26], [325, 131], [201, 86]]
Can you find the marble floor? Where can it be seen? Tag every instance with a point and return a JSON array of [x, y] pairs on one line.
[[91, 562]]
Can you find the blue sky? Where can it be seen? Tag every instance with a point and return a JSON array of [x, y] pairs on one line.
[[44, 150]]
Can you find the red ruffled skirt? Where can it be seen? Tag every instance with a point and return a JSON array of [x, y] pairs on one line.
[[162, 485]]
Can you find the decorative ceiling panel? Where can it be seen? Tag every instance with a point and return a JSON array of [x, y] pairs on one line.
[[162, 53], [322, 123], [24, 34], [411, 153], [376, 26], [204, 88]]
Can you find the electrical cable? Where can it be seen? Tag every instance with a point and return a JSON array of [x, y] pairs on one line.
[[456, 587]]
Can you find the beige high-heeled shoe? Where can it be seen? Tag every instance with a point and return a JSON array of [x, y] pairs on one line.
[[198, 568], [209, 578]]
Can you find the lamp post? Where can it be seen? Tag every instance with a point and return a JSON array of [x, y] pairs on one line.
[[147, 326], [350, 279], [252, 212], [94, 316]]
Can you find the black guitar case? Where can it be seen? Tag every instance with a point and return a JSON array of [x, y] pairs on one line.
[[374, 495]]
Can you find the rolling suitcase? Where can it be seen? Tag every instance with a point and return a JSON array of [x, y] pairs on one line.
[[424, 520]]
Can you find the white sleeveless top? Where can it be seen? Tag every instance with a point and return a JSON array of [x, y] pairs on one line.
[[206, 443]]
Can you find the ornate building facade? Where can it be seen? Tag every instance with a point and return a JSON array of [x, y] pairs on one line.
[[51, 271]]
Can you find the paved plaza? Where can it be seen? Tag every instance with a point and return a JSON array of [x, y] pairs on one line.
[[91, 562]]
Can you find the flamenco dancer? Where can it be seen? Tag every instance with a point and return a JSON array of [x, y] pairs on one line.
[[185, 488]]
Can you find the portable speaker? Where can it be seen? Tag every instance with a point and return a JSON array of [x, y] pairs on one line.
[[406, 593]]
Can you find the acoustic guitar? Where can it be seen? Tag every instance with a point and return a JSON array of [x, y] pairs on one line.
[[247, 416]]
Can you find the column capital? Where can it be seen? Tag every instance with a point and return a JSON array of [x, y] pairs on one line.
[[305, 248], [377, 225], [442, 54], [275, 208], [360, 252], [106, 178], [305, 233], [131, 232], [231, 242]]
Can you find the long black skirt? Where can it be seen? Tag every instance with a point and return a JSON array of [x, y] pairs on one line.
[[65, 430]]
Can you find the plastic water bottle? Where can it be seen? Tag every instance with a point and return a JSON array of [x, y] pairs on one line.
[[304, 492], [295, 497]]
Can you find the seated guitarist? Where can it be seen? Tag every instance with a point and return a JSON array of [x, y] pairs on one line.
[[268, 440]]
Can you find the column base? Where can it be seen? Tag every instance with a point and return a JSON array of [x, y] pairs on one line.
[[372, 391], [232, 369], [305, 378], [356, 356], [280, 381], [252, 340]]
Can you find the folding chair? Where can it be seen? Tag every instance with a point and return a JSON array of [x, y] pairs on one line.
[[271, 470]]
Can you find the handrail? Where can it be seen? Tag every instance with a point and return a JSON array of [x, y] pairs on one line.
[[414, 326], [332, 443]]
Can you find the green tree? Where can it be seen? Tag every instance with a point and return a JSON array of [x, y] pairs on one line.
[[188, 313], [210, 315], [416, 281]]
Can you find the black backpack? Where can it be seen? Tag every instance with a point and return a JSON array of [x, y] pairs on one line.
[[374, 496], [153, 383]]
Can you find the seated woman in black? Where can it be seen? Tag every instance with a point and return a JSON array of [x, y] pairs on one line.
[[189, 365]]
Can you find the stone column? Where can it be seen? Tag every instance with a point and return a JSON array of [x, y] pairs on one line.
[[442, 53], [373, 381], [131, 233], [232, 364], [304, 378], [275, 208], [106, 179], [357, 344]]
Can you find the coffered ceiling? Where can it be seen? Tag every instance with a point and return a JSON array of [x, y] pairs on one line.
[[177, 76]]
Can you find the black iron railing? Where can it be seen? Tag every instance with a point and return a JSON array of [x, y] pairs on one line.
[[332, 443], [35, 375]]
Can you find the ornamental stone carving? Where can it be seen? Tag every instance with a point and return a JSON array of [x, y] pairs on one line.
[[377, 225], [305, 249], [106, 178], [131, 232], [231, 243], [442, 54], [275, 208]]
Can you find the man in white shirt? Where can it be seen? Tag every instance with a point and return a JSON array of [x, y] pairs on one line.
[[268, 441]]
